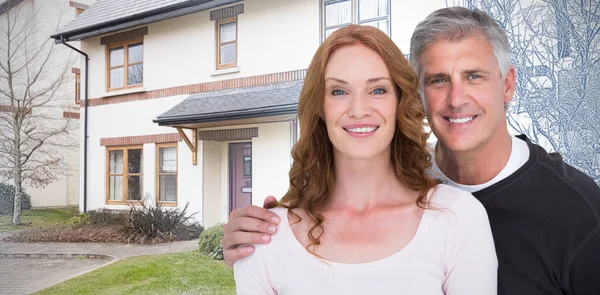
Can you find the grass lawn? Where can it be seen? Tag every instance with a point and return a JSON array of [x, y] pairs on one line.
[[179, 273], [36, 218]]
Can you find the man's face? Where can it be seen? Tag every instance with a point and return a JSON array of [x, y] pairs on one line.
[[464, 93]]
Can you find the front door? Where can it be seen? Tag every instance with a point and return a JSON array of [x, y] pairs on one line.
[[240, 175]]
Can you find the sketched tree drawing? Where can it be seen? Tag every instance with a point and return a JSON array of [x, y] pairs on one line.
[[32, 129], [555, 48]]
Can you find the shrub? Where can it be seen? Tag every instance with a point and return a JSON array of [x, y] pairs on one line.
[[146, 224], [107, 217], [7, 199], [210, 242], [80, 220]]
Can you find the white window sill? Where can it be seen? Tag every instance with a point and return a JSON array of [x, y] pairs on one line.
[[225, 71], [124, 91]]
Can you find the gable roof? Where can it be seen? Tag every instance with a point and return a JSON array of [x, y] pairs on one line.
[[105, 16]]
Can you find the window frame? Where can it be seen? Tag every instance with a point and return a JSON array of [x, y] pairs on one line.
[[125, 173], [354, 18], [126, 64], [78, 88], [158, 173], [218, 24]]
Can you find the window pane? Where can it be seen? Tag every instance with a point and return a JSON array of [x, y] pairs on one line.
[[134, 159], [115, 188], [228, 54], [135, 53], [134, 188], [368, 9], [227, 32], [135, 74], [338, 12], [116, 162], [116, 78], [382, 25], [116, 57], [247, 166], [168, 188], [168, 159]]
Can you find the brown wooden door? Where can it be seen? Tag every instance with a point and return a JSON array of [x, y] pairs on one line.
[[240, 175]]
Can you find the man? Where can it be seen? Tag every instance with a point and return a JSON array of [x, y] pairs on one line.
[[544, 214]]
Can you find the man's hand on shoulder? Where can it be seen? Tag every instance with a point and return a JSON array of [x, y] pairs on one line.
[[248, 225]]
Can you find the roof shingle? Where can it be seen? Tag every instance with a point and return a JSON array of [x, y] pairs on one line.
[[227, 104]]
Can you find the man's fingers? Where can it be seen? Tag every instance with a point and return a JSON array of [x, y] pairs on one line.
[[233, 255], [249, 224], [269, 200], [240, 238], [254, 212]]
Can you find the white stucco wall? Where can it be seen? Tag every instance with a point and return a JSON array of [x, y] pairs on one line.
[[181, 51]]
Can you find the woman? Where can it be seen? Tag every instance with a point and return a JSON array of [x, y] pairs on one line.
[[361, 215]]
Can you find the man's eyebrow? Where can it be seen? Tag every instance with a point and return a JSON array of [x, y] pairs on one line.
[[476, 71], [436, 76]]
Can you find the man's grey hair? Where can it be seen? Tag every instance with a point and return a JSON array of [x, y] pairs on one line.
[[454, 24]]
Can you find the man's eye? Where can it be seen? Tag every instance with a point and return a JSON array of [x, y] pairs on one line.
[[474, 76], [436, 81], [338, 92]]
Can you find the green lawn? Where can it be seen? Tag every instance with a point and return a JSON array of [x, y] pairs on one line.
[[37, 218], [180, 273]]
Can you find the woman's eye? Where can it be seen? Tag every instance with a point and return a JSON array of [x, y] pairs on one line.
[[379, 91], [338, 92]]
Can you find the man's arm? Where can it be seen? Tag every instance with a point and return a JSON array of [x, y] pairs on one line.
[[248, 225], [584, 271]]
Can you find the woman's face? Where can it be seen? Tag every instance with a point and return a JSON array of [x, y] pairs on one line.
[[360, 103]]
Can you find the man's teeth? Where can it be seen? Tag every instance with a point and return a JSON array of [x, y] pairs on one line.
[[460, 120], [362, 129]]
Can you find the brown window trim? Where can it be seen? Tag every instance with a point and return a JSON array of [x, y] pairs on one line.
[[218, 35], [125, 174], [77, 88], [158, 174], [125, 65], [78, 11]]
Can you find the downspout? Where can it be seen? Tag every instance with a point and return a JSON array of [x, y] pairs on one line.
[[85, 122]]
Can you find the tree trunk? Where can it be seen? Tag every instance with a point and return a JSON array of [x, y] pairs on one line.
[[17, 175]]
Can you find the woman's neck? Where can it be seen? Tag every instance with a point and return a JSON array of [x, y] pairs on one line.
[[362, 184]]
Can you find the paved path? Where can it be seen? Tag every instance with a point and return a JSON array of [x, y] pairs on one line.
[[29, 267]]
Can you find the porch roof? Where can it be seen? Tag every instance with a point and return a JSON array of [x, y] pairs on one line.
[[233, 104]]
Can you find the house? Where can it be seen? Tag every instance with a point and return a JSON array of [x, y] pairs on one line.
[[43, 17], [195, 101]]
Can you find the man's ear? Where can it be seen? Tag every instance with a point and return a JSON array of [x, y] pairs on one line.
[[510, 82]]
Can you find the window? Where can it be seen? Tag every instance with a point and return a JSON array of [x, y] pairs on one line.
[[77, 88], [125, 65], [227, 43], [340, 13], [166, 173], [124, 174]]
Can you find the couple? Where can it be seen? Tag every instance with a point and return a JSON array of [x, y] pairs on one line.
[[364, 213]]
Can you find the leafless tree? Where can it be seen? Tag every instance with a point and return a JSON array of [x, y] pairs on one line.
[[33, 132]]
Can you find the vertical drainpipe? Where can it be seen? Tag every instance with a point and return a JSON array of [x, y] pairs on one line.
[[85, 122]]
